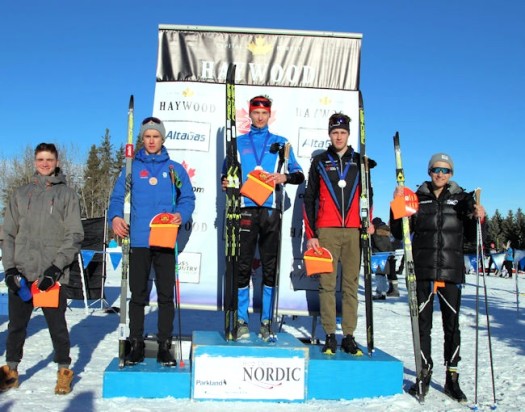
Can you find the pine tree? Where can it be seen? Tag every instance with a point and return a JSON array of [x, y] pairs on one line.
[[90, 183], [520, 226], [508, 229], [494, 230], [105, 177]]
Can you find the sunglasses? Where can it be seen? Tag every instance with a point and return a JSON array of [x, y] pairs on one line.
[[444, 170], [263, 103], [151, 120]]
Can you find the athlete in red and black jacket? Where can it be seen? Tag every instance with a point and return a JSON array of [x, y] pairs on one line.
[[332, 221], [338, 206]]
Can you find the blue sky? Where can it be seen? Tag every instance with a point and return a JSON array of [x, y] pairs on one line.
[[448, 75]]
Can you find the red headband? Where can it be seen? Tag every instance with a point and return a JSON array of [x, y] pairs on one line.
[[260, 103]]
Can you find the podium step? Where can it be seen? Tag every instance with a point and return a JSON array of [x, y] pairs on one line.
[[148, 379], [253, 370], [344, 376]]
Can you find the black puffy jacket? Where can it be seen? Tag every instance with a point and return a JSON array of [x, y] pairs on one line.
[[439, 229]]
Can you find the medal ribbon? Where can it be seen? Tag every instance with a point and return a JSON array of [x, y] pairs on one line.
[[259, 159], [342, 176]]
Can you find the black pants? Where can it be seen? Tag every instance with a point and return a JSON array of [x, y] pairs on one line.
[[19, 316], [449, 302], [508, 264], [140, 261], [261, 227]]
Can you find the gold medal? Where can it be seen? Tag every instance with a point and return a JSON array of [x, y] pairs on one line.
[[152, 181]]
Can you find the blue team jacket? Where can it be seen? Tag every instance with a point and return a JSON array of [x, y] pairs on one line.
[[152, 192]]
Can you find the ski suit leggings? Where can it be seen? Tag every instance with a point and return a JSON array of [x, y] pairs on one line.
[[449, 302], [260, 226]]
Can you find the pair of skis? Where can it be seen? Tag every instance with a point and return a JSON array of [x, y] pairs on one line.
[[233, 211], [410, 277], [129, 153], [364, 205]]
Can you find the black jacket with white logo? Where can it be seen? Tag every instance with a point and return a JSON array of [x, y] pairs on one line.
[[439, 230]]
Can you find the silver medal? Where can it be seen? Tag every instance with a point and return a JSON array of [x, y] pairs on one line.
[[341, 184]]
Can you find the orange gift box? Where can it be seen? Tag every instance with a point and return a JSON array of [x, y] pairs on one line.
[[163, 231], [256, 187], [405, 205], [318, 262], [45, 298]]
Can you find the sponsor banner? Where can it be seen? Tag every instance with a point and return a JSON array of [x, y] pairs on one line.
[[262, 57], [194, 114], [249, 378]]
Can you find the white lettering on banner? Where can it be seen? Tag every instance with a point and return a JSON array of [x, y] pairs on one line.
[[207, 70], [258, 73], [241, 377]]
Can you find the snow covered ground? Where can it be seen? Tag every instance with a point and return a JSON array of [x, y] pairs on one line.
[[94, 345]]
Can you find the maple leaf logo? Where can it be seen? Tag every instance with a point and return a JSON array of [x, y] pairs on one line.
[[260, 47], [189, 170]]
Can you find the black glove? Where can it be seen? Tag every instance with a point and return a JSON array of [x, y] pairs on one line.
[[12, 279], [49, 277]]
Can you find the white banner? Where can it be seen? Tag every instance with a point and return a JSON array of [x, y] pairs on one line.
[[194, 115]]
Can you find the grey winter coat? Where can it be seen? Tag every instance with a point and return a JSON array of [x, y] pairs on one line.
[[42, 227]]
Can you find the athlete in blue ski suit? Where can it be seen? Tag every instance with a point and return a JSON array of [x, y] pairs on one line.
[[158, 185], [261, 225]]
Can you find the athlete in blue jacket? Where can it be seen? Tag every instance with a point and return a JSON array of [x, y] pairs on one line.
[[158, 185], [261, 225]]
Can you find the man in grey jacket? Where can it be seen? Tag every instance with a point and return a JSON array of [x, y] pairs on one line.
[[42, 235]]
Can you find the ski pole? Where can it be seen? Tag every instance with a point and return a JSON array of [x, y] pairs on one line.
[[480, 247], [275, 297], [476, 345], [177, 303]]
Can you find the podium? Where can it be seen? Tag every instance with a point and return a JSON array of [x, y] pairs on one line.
[[253, 370]]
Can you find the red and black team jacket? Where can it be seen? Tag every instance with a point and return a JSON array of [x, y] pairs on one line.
[[326, 204]]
